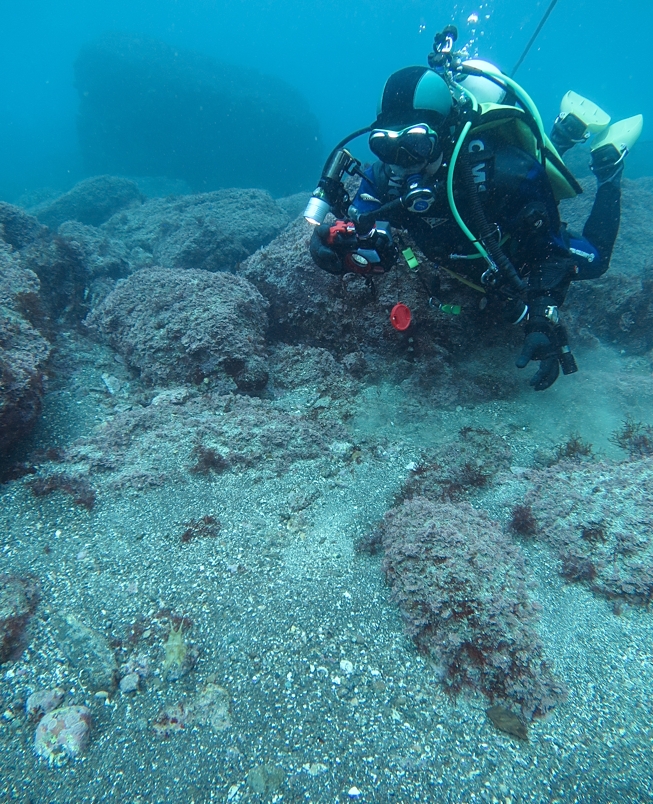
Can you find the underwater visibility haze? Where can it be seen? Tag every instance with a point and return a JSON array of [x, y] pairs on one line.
[[381, 532]]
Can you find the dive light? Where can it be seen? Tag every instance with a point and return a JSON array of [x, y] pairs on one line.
[[330, 194]]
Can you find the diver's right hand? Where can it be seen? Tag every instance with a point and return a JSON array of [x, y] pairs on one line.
[[338, 249], [539, 346], [322, 251]]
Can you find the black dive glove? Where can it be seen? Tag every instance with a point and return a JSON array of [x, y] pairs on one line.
[[540, 346], [541, 342], [324, 254], [338, 249]]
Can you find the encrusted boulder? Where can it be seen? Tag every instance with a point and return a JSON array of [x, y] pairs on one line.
[[598, 517], [92, 201], [308, 305], [183, 326], [213, 231], [23, 349], [17, 228], [351, 318], [462, 589]]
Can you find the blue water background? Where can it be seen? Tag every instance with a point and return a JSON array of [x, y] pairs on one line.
[[337, 54]]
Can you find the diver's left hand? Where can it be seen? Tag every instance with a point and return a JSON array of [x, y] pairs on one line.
[[539, 346]]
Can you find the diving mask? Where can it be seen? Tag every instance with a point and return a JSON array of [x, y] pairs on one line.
[[407, 147]]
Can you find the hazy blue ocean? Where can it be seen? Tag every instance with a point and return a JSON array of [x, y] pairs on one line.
[[337, 55]]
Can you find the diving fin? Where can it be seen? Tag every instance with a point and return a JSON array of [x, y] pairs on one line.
[[593, 118], [609, 148], [578, 119], [621, 135]]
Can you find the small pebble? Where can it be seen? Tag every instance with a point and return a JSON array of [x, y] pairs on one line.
[[129, 683], [44, 701], [346, 666], [353, 792]]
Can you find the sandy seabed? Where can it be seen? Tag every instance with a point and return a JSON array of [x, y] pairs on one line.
[[322, 697]]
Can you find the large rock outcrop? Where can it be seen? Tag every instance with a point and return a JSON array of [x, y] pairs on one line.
[[92, 201], [209, 231], [23, 350], [184, 326], [212, 231], [56, 261], [149, 109], [344, 315]]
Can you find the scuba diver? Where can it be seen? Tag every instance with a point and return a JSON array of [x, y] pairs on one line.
[[466, 170]]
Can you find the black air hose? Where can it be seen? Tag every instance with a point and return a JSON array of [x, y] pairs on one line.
[[386, 212], [487, 234]]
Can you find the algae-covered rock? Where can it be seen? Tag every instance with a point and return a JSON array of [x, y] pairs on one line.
[[23, 349], [18, 600], [463, 592], [183, 326], [87, 651], [92, 201]]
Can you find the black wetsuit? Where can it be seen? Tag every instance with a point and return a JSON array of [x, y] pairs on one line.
[[517, 197], [538, 257]]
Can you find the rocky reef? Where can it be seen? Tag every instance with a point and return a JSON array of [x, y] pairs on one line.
[[222, 423]]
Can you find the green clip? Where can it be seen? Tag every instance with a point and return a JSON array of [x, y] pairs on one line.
[[411, 259], [452, 309]]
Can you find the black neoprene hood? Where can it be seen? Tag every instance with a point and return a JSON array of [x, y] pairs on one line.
[[414, 95]]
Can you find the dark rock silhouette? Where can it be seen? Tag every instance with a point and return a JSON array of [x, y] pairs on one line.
[[149, 109]]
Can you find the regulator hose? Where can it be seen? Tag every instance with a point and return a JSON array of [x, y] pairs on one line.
[[386, 212], [487, 234]]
